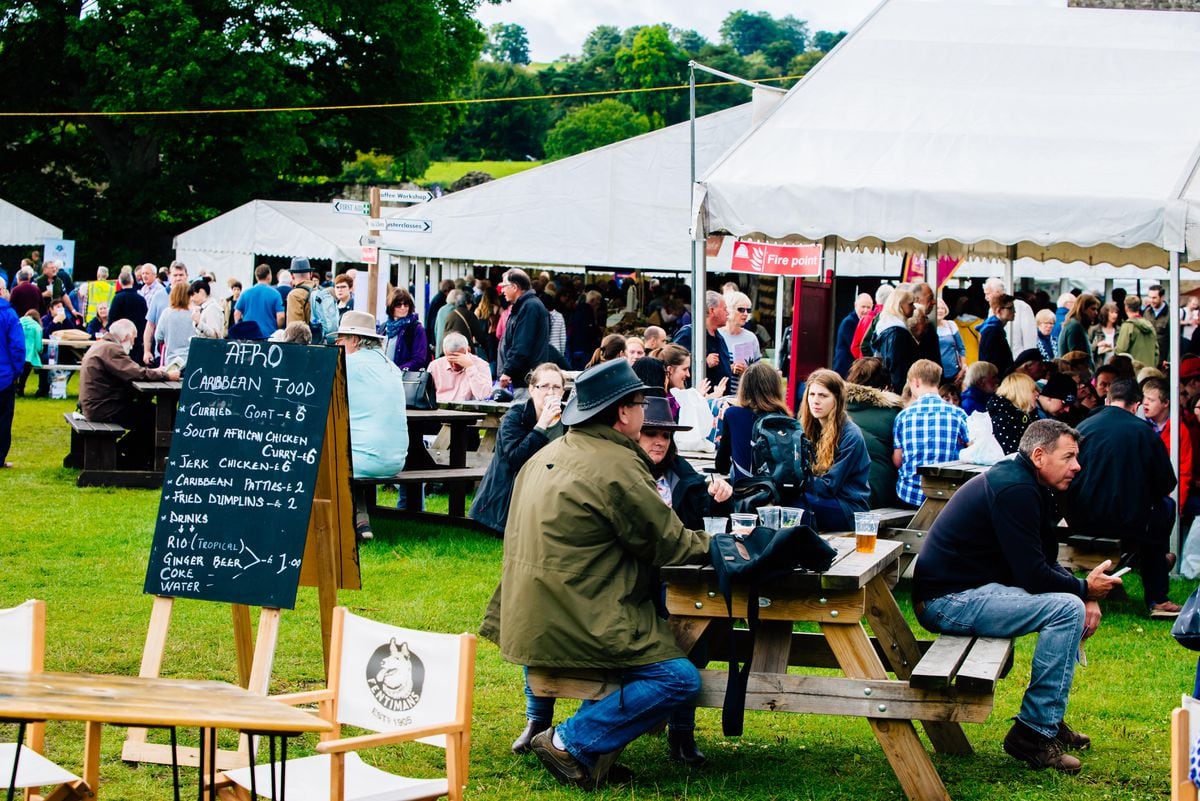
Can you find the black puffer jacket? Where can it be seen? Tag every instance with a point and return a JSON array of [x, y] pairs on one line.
[[517, 439]]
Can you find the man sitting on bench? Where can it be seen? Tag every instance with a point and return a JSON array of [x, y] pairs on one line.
[[106, 393], [989, 569], [585, 531]]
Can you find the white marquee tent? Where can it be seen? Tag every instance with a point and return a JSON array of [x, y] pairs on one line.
[[228, 244], [19, 227], [1068, 133], [623, 206]]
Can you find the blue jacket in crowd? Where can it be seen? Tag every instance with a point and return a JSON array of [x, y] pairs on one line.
[[12, 345]]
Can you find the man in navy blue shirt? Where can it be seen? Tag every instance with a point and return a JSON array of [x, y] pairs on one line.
[[842, 357], [989, 568]]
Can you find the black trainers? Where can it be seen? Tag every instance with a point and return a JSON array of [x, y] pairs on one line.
[[681, 747], [562, 766], [1072, 740], [1038, 751]]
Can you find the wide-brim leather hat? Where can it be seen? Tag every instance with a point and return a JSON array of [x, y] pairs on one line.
[[599, 387], [659, 417], [358, 324]]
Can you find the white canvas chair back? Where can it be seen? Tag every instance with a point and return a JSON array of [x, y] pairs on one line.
[[21, 633], [1193, 708], [393, 678]]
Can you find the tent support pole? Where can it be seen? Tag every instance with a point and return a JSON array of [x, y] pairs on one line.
[[778, 321], [699, 312], [1174, 355]]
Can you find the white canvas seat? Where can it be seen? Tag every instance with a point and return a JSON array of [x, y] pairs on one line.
[[404, 685], [23, 632]]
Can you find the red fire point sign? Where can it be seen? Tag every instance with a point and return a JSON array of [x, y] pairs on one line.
[[800, 261]]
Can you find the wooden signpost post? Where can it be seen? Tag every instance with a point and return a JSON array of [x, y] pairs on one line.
[[256, 501]]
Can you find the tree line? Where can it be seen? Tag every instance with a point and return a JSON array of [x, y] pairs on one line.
[[122, 184]]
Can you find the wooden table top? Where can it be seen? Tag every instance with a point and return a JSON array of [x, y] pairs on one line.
[[955, 469], [158, 386], [138, 701], [487, 407], [849, 571], [443, 415]]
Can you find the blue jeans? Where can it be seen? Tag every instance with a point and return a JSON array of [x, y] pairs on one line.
[[540, 709], [995, 610], [648, 695], [827, 514]]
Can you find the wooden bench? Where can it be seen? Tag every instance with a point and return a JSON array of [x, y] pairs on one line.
[[458, 481], [1082, 552], [94, 453], [963, 664]]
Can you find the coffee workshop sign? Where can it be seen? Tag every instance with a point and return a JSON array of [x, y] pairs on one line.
[[238, 490]]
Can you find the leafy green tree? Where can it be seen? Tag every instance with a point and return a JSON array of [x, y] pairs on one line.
[[827, 40], [604, 39], [592, 126], [753, 33], [779, 53], [508, 42], [689, 41], [501, 131], [123, 185], [653, 60]]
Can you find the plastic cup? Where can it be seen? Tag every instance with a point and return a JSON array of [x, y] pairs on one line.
[[790, 516], [715, 525], [866, 530], [769, 515], [743, 522]]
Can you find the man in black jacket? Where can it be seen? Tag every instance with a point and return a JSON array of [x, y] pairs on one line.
[[526, 336], [1122, 492], [989, 569]]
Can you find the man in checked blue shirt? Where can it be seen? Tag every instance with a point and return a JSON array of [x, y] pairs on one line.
[[928, 431]]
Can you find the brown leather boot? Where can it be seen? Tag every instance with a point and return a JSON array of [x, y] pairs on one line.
[[1038, 751], [1071, 739]]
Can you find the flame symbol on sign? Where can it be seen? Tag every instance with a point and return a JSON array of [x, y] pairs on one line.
[[756, 259]]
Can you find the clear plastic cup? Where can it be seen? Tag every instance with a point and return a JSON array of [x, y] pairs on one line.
[[866, 530], [743, 522], [769, 515], [716, 525], [790, 516]]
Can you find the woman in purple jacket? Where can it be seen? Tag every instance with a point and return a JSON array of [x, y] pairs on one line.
[[406, 343]]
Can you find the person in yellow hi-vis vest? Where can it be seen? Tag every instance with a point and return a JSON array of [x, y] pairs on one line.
[[99, 291]]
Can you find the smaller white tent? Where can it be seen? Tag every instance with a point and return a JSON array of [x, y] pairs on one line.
[[228, 244], [19, 227]]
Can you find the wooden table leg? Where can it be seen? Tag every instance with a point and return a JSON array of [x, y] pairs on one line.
[[772, 644], [688, 630], [898, 738], [900, 650], [91, 758]]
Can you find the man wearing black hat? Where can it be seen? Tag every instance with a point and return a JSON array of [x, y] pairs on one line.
[[585, 532], [1030, 362], [299, 299], [1055, 399]]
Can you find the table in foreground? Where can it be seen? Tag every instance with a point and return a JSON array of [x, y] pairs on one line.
[[854, 589], [139, 701]]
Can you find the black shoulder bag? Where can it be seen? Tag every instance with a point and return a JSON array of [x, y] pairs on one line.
[[752, 560]]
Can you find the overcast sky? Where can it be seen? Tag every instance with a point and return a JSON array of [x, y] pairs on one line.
[[558, 27]]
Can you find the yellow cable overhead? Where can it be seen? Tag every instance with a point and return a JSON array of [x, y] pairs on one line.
[[363, 106]]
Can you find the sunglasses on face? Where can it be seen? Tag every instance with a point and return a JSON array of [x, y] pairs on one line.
[[742, 310]]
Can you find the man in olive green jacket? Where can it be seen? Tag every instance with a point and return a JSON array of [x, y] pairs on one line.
[[585, 532], [1137, 336]]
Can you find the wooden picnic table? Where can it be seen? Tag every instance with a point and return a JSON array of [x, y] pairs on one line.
[[489, 424], [142, 701], [855, 589], [939, 482], [166, 401]]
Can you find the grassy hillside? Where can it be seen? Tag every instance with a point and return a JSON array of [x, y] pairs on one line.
[[447, 172]]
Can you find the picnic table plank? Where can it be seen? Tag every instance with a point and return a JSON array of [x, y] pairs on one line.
[[984, 665], [941, 662]]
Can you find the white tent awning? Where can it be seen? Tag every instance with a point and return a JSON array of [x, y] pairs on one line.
[[1073, 133], [19, 227]]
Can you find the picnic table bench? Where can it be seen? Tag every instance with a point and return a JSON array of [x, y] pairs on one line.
[[94, 454], [940, 685]]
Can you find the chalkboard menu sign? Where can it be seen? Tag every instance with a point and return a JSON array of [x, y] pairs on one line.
[[238, 488]]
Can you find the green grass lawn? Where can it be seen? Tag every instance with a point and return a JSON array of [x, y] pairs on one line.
[[447, 172], [84, 552]]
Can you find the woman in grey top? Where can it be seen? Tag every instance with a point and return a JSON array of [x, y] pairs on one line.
[[175, 327]]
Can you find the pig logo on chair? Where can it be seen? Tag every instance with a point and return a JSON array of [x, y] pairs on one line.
[[396, 676]]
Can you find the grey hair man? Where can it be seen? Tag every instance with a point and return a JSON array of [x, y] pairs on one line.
[[458, 318], [460, 375], [989, 569]]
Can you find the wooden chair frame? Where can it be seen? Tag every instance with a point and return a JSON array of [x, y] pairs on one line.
[[35, 733], [1182, 788], [457, 732]]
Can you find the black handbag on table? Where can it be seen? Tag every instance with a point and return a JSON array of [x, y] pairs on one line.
[[419, 392], [754, 559]]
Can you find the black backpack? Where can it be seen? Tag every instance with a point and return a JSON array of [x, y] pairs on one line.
[[782, 453]]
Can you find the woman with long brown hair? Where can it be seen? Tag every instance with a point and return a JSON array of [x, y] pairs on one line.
[[839, 483], [1082, 316], [611, 347]]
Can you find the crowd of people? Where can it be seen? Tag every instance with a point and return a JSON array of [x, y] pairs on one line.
[[592, 494]]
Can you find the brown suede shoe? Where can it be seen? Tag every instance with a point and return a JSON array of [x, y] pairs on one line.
[[1072, 740], [1038, 751], [562, 766], [532, 727]]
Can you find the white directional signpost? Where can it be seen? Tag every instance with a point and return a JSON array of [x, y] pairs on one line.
[[405, 196], [409, 226], [343, 206]]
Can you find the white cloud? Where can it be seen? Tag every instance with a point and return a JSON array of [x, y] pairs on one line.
[[558, 27]]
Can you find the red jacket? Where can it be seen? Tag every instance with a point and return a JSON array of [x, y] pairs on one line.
[[1185, 458], [861, 331]]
